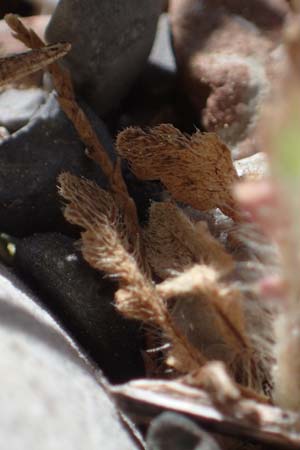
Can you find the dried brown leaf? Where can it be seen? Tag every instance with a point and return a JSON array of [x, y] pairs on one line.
[[173, 243], [196, 170]]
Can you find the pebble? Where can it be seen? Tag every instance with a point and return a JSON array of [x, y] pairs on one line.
[[82, 301], [51, 397], [17, 106], [174, 431], [111, 41]]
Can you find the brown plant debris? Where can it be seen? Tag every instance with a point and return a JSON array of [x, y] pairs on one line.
[[16, 67], [222, 335], [66, 97], [174, 243], [105, 247], [196, 170], [240, 416]]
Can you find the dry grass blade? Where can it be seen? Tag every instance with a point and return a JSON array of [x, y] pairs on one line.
[[105, 247], [16, 67], [196, 170], [173, 243]]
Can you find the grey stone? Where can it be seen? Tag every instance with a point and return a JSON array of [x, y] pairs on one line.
[[17, 106], [111, 40], [50, 396], [82, 301], [170, 431], [162, 52], [30, 161]]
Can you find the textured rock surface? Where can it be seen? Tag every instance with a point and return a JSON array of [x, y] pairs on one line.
[[49, 395], [17, 106], [230, 56], [83, 302], [111, 41], [171, 431], [30, 161]]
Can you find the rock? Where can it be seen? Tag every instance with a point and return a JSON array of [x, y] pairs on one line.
[[111, 41], [50, 395], [162, 53], [156, 96], [256, 166], [30, 161], [230, 56], [44, 6], [17, 106], [170, 431], [82, 301]]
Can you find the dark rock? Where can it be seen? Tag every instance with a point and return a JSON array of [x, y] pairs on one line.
[[82, 301], [111, 41], [30, 161], [174, 431], [156, 97], [50, 395]]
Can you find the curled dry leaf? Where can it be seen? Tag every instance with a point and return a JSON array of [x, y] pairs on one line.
[[174, 243], [196, 170]]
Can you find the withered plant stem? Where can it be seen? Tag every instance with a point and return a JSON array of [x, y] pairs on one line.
[[66, 97]]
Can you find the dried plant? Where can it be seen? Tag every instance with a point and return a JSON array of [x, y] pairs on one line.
[[105, 247], [196, 170], [95, 150], [173, 242], [202, 291], [16, 67]]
